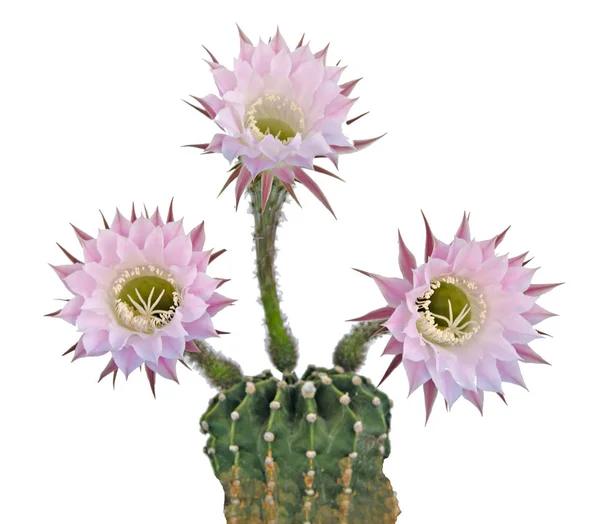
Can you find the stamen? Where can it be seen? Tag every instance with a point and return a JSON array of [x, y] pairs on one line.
[[450, 330], [275, 115], [143, 314]]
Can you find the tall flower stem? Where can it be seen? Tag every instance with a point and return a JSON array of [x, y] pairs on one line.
[[281, 344]]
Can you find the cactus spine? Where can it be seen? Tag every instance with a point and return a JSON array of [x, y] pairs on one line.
[[302, 451]]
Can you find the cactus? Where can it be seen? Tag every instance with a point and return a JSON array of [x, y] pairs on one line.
[[302, 451], [290, 451]]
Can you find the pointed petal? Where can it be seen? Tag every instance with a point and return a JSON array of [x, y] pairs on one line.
[[406, 260], [366, 142], [241, 184], [211, 110], [348, 87], [191, 346], [199, 109], [68, 255], [278, 43], [243, 36], [111, 367], [79, 351], [537, 314], [378, 314], [212, 57], [320, 169], [488, 376], [429, 239], [82, 236], [397, 322], [266, 184], [393, 347], [235, 173], [120, 224], [291, 191], [197, 146], [178, 252], [396, 361], [417, 375], [216, 254], [518, 260], [127, 360], [95, 343], [475, 398], [322, 53], [201, 329], [430, 393], [151, 375], [170, 217], [156, 219], [499, 238], [536, 290], [393, 289], [70, 350], [217, 302], [310, 184], [198, 237], [463, 230], [106, 226], [165, 368], [529, 355], [511, 372], [148, 348], [354, 119]]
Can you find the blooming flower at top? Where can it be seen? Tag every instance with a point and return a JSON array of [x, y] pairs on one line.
[[279, 110], [462, 321], [141, 294]]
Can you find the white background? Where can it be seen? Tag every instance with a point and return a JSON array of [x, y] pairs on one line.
[[492, 107]]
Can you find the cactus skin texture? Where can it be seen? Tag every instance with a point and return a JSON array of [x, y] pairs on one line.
[[302, 451]]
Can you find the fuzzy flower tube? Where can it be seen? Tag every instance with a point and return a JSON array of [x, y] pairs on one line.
[[288, 447]]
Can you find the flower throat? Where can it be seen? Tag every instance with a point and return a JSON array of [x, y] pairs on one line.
[[275, 115], [145, 298], [451, 311]]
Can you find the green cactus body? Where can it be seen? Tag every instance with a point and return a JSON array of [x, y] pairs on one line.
[[302, 451]]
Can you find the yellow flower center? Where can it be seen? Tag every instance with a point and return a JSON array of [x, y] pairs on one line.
[[275, 115], [145, 298], [451, 312]]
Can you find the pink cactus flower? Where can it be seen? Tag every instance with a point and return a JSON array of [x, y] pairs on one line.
[[462, 321], [279, 110], [141, 294]]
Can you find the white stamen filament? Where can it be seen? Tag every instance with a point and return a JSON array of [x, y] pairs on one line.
[[147, 309], [454, 324], [457, 330], [142, 315], [276, 108]]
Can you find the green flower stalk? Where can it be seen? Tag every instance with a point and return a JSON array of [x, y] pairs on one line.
[[281, 344]]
